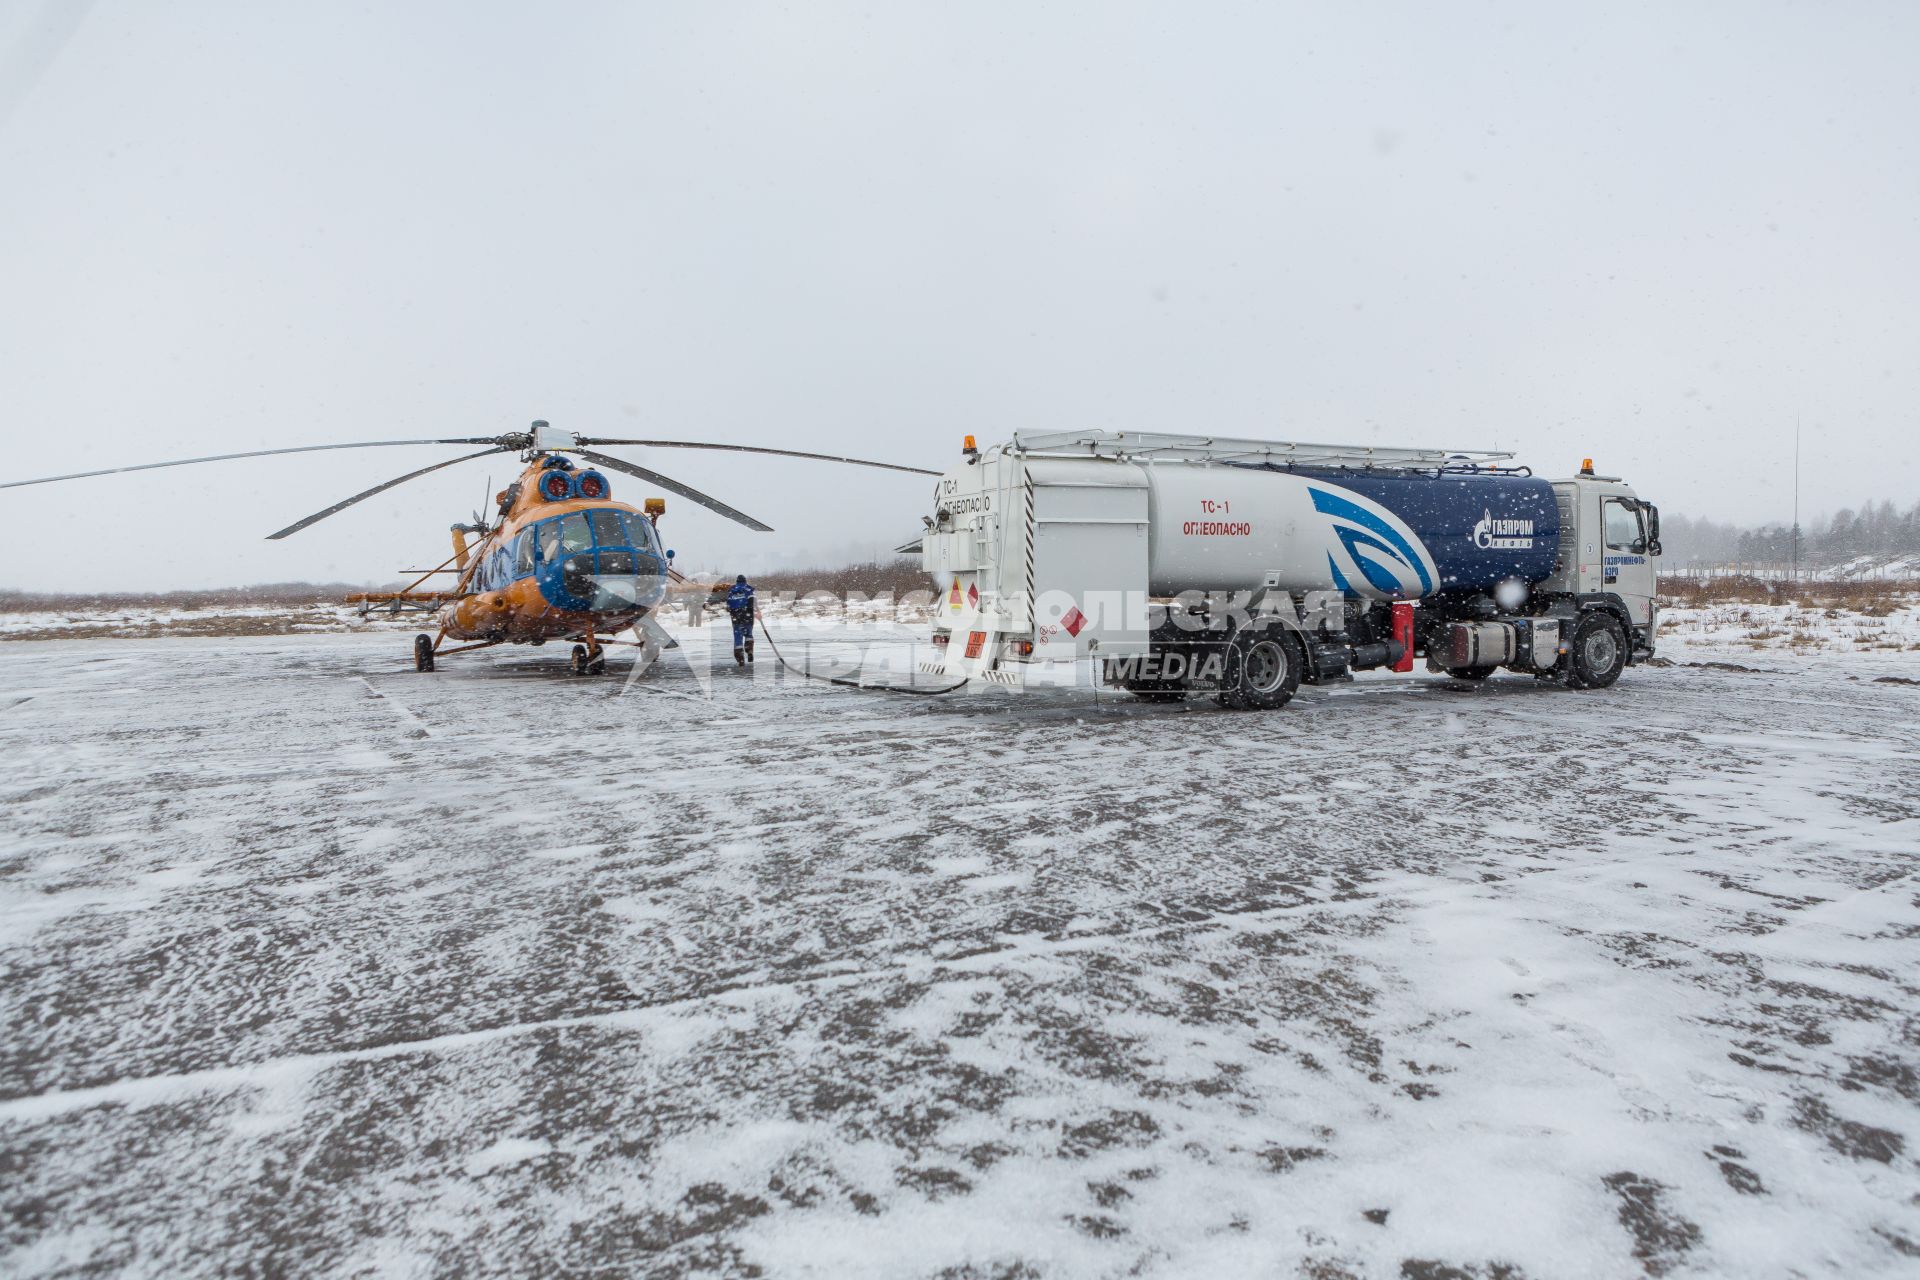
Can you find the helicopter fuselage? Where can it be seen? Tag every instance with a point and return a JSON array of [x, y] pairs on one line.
[[565, 562]]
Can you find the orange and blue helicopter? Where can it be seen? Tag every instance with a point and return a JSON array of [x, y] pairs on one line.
[[559, 560]]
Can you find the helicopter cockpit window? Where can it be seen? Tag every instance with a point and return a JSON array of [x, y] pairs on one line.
[[574, 533], [523, 554], [642, 532], [577, 576], [607, 530], [549, 531]]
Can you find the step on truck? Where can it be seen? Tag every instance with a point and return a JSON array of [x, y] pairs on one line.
[[1243, 568]]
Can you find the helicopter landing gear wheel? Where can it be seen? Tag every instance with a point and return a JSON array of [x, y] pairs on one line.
[[423, 652], [579, 659], [589, 662]]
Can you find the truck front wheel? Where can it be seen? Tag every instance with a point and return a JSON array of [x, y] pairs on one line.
[[1598, 653], [1262, 670]]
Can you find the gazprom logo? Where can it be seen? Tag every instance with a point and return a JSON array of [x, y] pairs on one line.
[[1491, 534], [1375, 550]]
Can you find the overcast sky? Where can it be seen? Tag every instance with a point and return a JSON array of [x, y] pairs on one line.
[[1651, 234]]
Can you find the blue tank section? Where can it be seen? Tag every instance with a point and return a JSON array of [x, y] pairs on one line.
[[1480, 529]]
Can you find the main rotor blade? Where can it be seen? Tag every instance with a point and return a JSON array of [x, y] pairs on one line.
[[255, 453], [379, 488], [782, 453], [674, 486]]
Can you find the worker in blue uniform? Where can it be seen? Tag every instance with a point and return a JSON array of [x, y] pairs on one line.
[[740, 610]]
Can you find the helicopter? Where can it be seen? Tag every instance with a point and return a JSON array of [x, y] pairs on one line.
[[559, 560]]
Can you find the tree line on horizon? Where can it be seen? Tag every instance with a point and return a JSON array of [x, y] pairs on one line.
[[1879, 531]]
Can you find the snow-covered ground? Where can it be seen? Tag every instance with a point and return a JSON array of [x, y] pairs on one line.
[[1794, 632], [314, 965], [149, 622]]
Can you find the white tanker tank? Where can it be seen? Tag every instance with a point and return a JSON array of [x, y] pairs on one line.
[[1385, 535], [1160, 554]]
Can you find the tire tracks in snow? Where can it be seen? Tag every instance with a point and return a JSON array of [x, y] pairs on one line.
[[640, 1012]]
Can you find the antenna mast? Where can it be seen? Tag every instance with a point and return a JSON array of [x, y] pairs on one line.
[[1796, 497]]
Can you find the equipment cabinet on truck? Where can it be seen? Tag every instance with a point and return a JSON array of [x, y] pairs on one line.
[[1244, 567]]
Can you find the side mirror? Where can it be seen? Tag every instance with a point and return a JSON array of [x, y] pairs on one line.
[[669, 553], [1653, 548]]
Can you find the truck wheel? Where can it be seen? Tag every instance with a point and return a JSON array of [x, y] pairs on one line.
[[1598, 652], [1474, 674], [1262, 670]]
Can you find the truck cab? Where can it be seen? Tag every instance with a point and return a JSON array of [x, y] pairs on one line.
[[1609, 538]]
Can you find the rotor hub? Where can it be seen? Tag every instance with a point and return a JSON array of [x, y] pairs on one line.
[[547, 439]]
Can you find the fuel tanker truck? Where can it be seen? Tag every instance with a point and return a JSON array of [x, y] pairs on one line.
[[1243, 568]]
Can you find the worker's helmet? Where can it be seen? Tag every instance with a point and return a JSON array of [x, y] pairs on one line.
[[741, 579]]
